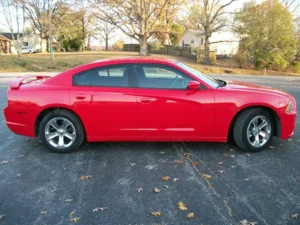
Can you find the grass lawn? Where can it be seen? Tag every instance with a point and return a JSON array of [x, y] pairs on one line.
[[41, 63]]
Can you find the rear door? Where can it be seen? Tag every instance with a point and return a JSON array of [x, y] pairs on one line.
[[167, 110], [106, 103]]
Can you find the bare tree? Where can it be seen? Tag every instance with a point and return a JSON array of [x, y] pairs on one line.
[[13, 11], [209, 14], [106, 31], [136, 19]]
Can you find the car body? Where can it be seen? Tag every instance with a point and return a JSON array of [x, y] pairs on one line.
[[147, 99], [27, 50]]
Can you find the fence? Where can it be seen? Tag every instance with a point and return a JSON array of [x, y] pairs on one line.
[[166, 49]]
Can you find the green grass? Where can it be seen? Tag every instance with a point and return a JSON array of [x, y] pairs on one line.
[[62, 61]]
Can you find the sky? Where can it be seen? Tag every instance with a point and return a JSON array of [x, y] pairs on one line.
[[234, 6]]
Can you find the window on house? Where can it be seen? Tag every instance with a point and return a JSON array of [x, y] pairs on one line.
[[25, 43], [192, 41]]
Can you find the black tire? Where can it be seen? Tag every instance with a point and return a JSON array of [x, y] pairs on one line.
[[241, 125], [73, 119]]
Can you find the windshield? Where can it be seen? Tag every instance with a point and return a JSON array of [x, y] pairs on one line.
[[210, 81]]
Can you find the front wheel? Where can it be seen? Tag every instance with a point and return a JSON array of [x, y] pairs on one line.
[[61, 131], [253, 130]]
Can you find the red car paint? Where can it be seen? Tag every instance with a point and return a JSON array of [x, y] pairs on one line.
[[143, 114]]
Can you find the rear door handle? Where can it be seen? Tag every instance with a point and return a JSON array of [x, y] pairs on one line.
[[147, 100], [80, 97]]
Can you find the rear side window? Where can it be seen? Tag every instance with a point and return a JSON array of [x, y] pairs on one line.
[[114, 76]]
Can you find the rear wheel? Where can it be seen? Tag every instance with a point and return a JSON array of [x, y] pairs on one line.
[[61, 131], [253, 130]]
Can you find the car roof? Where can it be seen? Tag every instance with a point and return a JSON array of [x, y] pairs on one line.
[[135, 59]]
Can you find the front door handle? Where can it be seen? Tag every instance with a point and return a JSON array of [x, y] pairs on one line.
[[147, 100]]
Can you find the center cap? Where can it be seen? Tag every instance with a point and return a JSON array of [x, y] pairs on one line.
[[61, 131]]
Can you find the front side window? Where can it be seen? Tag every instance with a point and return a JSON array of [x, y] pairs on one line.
[[162, 77], [114, 76]]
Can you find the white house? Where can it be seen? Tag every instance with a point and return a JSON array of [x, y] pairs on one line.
[[196, 38]]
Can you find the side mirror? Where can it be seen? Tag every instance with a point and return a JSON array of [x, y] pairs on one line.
[[193, 85]]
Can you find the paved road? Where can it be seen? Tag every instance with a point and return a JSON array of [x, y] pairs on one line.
[[262, 187]]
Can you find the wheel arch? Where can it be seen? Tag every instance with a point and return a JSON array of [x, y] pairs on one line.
[[272, 112], [47, 110]]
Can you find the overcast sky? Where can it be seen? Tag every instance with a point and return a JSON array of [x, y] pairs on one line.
[[234, 6]]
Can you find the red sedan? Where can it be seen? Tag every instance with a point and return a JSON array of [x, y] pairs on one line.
[[146, 99]]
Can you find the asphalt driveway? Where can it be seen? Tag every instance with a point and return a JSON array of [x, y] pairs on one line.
[[39, 187]]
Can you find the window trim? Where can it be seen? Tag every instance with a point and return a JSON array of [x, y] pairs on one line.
[[131, 78], [162, 66]]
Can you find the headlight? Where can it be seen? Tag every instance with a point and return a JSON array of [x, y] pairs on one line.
[[289, 107]]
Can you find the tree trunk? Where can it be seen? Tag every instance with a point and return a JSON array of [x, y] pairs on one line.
[[106, 41], [207, 51], [143, 45]]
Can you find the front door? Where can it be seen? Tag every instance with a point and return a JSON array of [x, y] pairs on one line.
[[167, 110], [106, 103]]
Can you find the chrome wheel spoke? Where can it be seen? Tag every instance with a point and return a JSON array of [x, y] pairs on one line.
[[263, 134], [50, 136], [61, 141], [263, 124], [54, 125], [256, 141], [69, 136], [66, 124]]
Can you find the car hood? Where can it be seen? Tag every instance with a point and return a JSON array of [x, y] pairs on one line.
[[238, 85]]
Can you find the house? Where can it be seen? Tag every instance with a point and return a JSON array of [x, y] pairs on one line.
[[196, 38], [5, 45], [30, 40]]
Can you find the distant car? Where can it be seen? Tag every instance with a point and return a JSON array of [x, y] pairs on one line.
[[26, 50], [145, 99]]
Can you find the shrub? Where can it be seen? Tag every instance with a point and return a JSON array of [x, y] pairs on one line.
[[240, 59], [19, 61], [297, 66], [118, 45]]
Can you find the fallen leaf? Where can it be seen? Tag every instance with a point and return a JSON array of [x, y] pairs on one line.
[[149, 167], [20, 156], [226, 155], [295, 216], [271, 181], [220, 163], [156, 213], [156, 190], [175, 179], [248, 155], [245, 222], [26, 140], [233, 167], [232, 156], [43, 212], [85, 177], [195, 163], [99, 209], [69, 200], [161, 152], [182, 206], [36, 144], [289, 139], [4, 162], [271, 147], [165, 178], [72, 213], [14, 150], [232, 150], [19, 175], [190, 215], [246, 179], [220, 171], [132, 164], [54, 190], [1, 216], [178, 161], [166, 186], [206, 176], [187, 154], [75, 219], [139, 190]]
